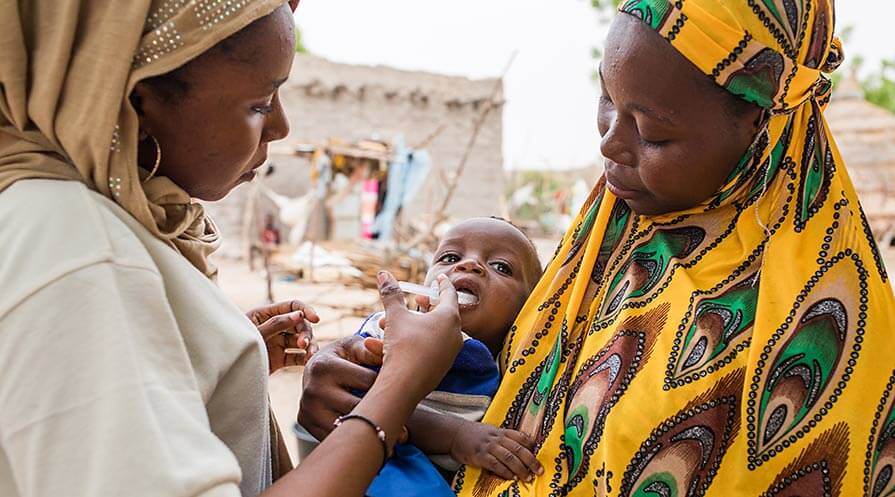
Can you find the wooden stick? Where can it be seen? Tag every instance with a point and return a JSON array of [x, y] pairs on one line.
[[429, 139], [477, 128]]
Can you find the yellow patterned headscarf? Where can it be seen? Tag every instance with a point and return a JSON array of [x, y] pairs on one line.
[[66, 72], [743, 347]]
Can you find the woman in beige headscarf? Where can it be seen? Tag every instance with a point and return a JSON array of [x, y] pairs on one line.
[[125, 370]]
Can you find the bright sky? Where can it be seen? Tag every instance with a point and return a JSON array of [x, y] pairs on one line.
[[549, 120]]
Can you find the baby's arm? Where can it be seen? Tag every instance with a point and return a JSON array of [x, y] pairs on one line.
[[506, 453]]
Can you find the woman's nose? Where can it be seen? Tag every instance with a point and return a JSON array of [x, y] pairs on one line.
[[615, 144], [277, 125]]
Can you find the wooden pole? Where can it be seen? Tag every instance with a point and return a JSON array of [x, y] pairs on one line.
[[265, 251], [454, 180], [311, 262]]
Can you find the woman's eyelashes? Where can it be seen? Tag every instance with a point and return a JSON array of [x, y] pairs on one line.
[[267, 107], [652, 136], [647, 141], [653, 143], [263, 109]]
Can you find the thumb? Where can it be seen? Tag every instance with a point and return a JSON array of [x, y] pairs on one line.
[[390, 294], [447, 295], [375, 349]]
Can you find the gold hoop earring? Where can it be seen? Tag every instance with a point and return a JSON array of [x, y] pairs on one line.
[[158, 159]]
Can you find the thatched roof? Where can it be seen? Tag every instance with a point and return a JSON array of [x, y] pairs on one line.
[[865, 134]]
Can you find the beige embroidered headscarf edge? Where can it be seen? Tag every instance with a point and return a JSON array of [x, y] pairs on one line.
[[66, 72]]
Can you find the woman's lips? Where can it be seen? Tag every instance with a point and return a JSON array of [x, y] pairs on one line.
[[619, 190], [251, 173]]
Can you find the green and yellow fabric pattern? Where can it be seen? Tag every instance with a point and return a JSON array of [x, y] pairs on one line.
[[741, 347]]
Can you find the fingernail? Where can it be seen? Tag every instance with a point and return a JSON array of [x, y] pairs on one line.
[[530, 478], [304, 342], [296, 315], [381, 277], [540, 471]]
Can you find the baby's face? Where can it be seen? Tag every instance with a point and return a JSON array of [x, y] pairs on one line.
[[493, 261]]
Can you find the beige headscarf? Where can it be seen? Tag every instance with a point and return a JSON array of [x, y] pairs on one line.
[[66, 71]]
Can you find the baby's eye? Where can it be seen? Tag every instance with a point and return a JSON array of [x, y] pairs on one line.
[[449, 258], [503, 267]]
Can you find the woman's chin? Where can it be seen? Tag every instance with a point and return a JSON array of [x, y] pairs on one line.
[[646, 208], [221, 193], [216, 194]]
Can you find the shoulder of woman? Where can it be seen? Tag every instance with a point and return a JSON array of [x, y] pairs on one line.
[[50, 228]]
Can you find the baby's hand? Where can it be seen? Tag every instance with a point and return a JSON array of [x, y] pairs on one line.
[[506, 453]]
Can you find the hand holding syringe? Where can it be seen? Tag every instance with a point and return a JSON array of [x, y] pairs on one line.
[[413, 288], [432, 293]]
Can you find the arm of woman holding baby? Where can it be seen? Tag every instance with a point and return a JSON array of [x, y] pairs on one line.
[[506, 453], [417, 351]]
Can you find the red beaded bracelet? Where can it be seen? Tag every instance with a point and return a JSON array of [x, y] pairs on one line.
[[380, 433]]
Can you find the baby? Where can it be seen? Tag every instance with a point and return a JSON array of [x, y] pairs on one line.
[[496, 266]]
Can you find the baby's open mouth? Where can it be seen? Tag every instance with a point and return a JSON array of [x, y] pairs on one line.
[[467, 297]]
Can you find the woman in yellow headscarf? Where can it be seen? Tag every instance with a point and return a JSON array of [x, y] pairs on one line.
[[710, 326], [125, 371], [717, 321]]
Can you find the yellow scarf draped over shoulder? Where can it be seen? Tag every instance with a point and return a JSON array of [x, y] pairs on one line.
[[66, 72], [742, 347]]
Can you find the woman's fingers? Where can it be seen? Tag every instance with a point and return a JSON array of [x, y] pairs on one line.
[[305, 337], [261, 314], [373, 351], [419, 348], [391, 295], [280, 323], [357, 352], [309, 312], [329, 371], [447, 296], [328, 383], [317, 415]]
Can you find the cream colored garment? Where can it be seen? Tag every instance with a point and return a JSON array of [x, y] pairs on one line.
[[67, 68], [123, 370]]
